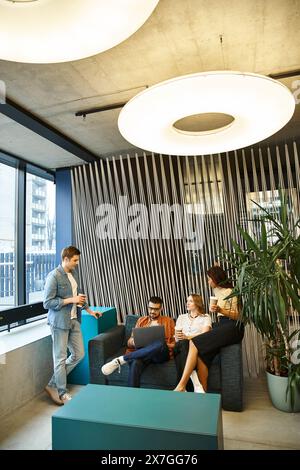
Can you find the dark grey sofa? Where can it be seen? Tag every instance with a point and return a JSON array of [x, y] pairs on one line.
[[225, 374]]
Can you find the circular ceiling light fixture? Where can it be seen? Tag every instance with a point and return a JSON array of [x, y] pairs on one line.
[[206, 113], [51, 31]]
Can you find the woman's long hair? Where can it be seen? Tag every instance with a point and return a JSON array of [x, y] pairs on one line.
[[198, 301], [219, 277]]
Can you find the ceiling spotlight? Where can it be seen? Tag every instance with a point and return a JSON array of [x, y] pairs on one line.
[[50, 31], [206, 113]]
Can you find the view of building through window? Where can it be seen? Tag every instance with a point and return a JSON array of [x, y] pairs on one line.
[[40, 234], [7, 236], [270, 201]]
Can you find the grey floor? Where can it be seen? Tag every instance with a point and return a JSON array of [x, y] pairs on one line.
[[259, 426]]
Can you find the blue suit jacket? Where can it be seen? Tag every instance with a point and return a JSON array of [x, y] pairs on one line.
[[57, 288]]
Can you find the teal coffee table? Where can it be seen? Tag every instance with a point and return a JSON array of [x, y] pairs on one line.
[[103, 417]]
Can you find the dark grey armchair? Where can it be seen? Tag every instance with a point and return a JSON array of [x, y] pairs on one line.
[[225, 374]]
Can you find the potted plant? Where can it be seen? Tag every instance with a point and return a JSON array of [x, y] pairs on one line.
[[267, 282]]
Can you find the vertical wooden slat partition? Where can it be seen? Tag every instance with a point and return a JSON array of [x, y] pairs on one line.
[[124, 270]]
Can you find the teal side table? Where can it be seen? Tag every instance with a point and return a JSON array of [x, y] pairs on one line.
[[103, 417], [91, 327]]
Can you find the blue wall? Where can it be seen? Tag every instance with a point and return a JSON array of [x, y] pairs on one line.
[[64, 225]]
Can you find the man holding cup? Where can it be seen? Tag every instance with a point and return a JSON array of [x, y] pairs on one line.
[[64, 305]]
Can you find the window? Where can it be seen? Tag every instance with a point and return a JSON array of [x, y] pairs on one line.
[[270, 201], [27, 239], [7, 236], [40, 234]]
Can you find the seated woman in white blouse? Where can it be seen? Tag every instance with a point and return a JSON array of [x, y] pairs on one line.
[[188, 325]]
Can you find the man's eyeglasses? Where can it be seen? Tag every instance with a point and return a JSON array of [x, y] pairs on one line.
[[154, 309]]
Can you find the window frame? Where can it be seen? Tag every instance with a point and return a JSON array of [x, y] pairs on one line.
[[21, 312]]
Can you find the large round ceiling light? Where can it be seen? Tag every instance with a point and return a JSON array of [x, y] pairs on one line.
[[205, 113], [49, 31]]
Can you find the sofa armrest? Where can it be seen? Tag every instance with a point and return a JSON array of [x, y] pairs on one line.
[[232, 377], [101, 347]]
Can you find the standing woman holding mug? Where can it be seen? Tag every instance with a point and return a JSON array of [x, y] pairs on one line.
[[203, 348], [188, 325]]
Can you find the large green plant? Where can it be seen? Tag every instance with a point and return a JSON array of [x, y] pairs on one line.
[[268, 284]]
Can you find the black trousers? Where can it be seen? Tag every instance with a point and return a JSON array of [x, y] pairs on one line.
[[225, 333]]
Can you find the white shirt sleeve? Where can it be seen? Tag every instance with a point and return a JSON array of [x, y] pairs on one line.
[[207, 321], [179, 322]]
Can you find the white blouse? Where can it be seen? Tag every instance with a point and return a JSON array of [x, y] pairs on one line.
[[192, 326]]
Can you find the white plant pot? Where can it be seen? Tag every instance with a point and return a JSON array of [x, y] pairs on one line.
[[277, 390]]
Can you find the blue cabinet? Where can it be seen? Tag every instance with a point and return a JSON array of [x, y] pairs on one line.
[[91, 327]]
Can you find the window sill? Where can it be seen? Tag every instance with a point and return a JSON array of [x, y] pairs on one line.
[[23, 335]]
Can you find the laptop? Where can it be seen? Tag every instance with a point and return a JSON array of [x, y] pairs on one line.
[[147, 335]]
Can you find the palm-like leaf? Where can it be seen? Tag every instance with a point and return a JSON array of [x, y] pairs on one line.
[[267, 281]]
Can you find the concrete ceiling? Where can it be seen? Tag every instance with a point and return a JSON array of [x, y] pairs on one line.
[[21, 142], [180, 37]]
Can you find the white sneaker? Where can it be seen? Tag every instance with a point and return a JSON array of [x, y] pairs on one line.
[[199, 389], [65, 398], [111, 366], [196, 382]]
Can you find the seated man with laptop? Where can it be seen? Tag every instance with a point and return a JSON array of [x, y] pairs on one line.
[[152, 341]]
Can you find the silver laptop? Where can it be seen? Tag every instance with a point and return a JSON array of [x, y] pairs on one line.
[[144, 336]]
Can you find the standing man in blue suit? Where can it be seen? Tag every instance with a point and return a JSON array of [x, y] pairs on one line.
[[64, 302]]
